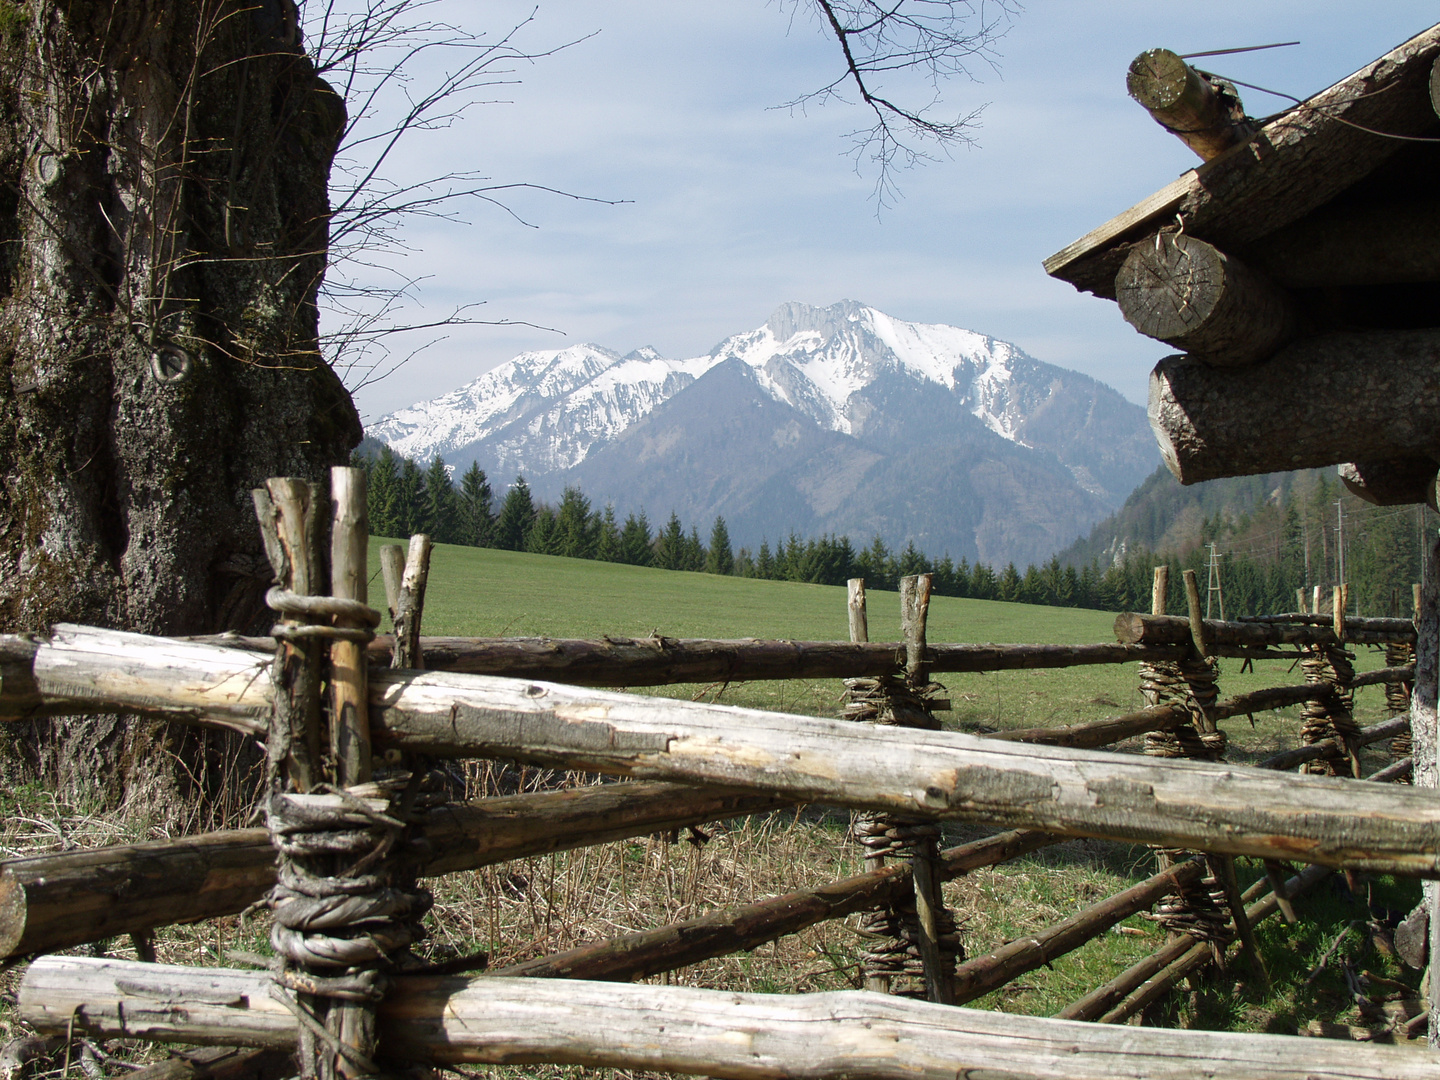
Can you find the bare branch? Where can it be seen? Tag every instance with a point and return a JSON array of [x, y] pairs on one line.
[[882, 41], [401, 73]]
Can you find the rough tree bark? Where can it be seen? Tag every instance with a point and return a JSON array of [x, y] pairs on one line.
[[163, 212]]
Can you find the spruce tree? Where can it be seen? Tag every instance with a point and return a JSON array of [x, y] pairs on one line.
[[636, 546], [409, 490], [440, 508], [577, 528], [912, 561], [670, 545], [477, 522], [607, 546], [764, 563], [1009, 585], [544, 538], [517, 517], [720, 558], [384, 478]]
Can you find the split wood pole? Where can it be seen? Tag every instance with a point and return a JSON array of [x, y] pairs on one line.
[[392, 570], [855, 604], [1198, 632], [287, 512], [350, 1023], [349, 569], [874, 858], [929, 899], [410, 605], [1160, 590]]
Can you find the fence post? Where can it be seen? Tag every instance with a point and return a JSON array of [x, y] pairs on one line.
[[1196, 909], [1331, 716], [932, 919], [916, 937], [340, 905], [857, 692]]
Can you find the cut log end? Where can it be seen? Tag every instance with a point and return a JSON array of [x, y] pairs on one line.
[[1396, 482], [1191, 295], [1202, 112]]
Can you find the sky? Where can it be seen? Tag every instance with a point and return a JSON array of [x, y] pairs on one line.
[[726, 204]]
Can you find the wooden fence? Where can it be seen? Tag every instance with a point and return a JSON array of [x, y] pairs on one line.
[[343, 887]]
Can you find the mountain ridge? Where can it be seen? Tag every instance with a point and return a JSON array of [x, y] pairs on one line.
[[838, 419]]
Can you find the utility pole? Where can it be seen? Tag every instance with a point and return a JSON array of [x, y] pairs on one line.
[[1212, 585]]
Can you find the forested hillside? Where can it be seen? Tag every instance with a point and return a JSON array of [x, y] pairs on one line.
[[1272, 535]]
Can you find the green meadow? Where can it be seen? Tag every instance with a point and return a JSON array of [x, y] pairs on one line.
[[483, 592]]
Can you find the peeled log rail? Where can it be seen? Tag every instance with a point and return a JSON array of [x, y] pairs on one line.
[[56, 901], [1337, 398], [931, 775], [1188, 294], [1134, 628], [1206, 117], [1161, 718], [667, 948], [453, 1021], [78, 669], [977, 977]]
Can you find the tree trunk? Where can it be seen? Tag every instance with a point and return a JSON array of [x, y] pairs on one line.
[[164, 170]]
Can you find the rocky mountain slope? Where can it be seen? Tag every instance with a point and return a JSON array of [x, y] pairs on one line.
[[838, 419]]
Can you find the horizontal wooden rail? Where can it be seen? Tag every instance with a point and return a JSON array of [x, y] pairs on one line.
[[68, 898], [1199, 953], [1384, 675], [1144, 977], [934, 775], [660, 661], [1132, 628], [488, 1020], [982, 974], [1383, 625], [1288, 759], [55, 901], [1161, 717]]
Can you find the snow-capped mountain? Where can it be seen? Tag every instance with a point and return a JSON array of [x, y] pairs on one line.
[[794, 425]]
